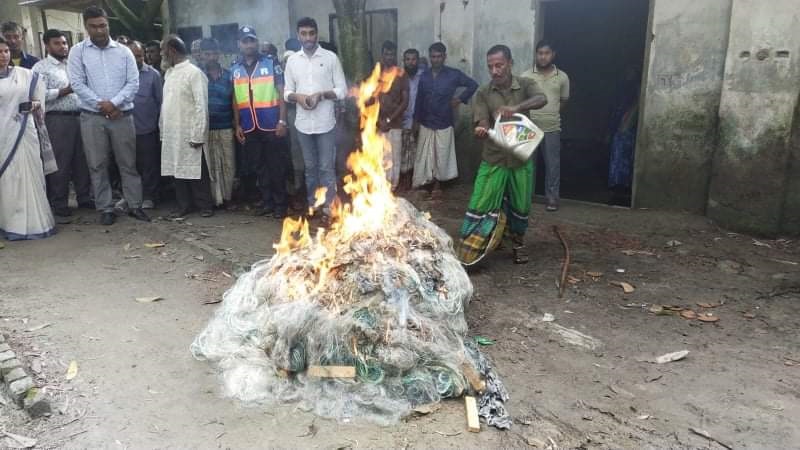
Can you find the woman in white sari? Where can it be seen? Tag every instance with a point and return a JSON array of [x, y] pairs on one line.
[[24, 209]]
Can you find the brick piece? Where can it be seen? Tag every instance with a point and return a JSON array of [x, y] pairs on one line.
[[15, 375], [18, 389], [6, 355], [8, 365], [36, 403]]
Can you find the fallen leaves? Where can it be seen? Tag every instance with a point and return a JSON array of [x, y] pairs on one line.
[[72, 370], [626, 287], [595, 275], [707, 317], [670, 357], [38, 327], [688, 314], [149, 299]]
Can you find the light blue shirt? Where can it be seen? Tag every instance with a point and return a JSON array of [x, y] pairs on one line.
[[98, 74]]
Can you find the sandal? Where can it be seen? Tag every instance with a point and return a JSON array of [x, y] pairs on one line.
[[520, 255]]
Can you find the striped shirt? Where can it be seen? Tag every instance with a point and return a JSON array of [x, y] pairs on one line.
[[98, 74]]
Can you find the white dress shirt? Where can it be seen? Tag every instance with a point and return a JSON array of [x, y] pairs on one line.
[[54, 76], [307, 75]]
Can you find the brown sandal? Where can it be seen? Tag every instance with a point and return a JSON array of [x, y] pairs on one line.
[[520, 255]]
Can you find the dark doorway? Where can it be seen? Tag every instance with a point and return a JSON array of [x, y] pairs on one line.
[[600, 44]]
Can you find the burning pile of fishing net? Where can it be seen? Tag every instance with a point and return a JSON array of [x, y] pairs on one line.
[[365, 319]]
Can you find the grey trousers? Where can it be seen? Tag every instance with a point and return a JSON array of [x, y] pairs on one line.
[[102, 136], [65, 131], [551, 155]]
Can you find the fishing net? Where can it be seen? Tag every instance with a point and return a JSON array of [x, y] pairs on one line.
[[389, 303]]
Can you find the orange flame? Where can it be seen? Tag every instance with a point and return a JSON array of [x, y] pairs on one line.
[[372, 201]]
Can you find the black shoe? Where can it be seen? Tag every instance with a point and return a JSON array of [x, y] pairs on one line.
[[107, 218], [263, 212], [280, 215], [62, 212], [138, 214], [87, 205], [207, 213], [180, 213]]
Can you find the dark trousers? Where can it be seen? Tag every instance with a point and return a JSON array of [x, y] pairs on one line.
[[267, 155], [65, 131], [195, 193], [148, 163]]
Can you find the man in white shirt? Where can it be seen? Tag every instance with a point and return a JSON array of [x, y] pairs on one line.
[[315, 80], [63, 124]]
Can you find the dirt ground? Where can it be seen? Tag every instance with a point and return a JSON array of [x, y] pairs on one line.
[[577, 367]]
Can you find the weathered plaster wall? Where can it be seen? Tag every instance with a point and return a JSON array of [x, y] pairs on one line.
[[749, 178], [31, 19], [790, 218], [684, 75], [270, 18]]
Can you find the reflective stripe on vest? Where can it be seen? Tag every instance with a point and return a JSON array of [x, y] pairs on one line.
[[262, 111]]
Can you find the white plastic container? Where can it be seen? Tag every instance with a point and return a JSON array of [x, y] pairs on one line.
[[518, 135]]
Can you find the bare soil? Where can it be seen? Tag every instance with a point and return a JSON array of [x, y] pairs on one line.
[[582, 380]]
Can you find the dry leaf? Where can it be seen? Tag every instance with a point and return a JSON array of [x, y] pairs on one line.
[[709, 305], [148, 299], [671, 357], [707, 317], [226, 275], [749, 315], [638, 252], [626, 287], [595, 274], [212, 302], [656, 309], [155, 244], [688, 314], [38, 327], [573, 280], [72, 370]]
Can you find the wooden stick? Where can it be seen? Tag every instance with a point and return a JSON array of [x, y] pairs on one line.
[[473, 423], [565, 267]]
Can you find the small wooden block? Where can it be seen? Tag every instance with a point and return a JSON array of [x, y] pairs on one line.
[[332, 371], [473, 424], [477, 383]]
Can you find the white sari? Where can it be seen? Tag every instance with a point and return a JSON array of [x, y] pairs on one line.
[[24, 209]]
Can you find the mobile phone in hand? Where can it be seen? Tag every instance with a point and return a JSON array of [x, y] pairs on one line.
[[25, 107]]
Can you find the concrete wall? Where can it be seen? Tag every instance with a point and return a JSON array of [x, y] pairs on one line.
[[683, 84], [31, 19], [749, 182], [270, 18]]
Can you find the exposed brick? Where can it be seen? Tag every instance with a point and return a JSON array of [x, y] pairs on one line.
[[18, 389], [15, 375], [9, 365], [6, 355]]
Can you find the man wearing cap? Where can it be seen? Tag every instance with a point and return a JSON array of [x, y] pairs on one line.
[[259, 119], [314, 80]]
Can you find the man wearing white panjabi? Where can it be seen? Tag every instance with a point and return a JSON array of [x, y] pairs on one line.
[[184, 129]]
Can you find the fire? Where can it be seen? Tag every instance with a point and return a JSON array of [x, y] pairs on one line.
[[372, 203]]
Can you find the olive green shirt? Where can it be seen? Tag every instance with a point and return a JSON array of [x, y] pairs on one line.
[[556, 88], [487, 100]]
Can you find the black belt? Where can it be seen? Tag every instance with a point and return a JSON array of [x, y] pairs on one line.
[[63, 113], [94, 113]]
